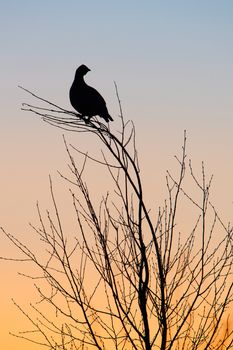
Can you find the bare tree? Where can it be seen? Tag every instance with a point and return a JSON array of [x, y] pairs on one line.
[[130, 278]]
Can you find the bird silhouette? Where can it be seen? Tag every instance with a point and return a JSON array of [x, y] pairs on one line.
[[85, 99]]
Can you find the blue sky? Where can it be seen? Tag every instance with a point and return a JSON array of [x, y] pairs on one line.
[[161, 53], [172, 61]]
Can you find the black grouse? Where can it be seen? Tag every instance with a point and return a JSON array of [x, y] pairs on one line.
[[85, 99]]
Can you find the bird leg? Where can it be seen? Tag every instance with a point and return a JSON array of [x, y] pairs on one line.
[[85, 118]]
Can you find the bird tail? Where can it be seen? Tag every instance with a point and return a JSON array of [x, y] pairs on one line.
[[107, 117], [110, 118]]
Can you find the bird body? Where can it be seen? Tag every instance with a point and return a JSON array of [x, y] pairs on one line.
[[85, 99]]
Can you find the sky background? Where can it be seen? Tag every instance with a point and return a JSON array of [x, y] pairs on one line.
[[173, 64]]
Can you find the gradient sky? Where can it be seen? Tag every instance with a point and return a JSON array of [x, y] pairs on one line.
[[173, 63]]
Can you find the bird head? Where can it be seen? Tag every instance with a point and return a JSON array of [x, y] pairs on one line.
[[82, 70]]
